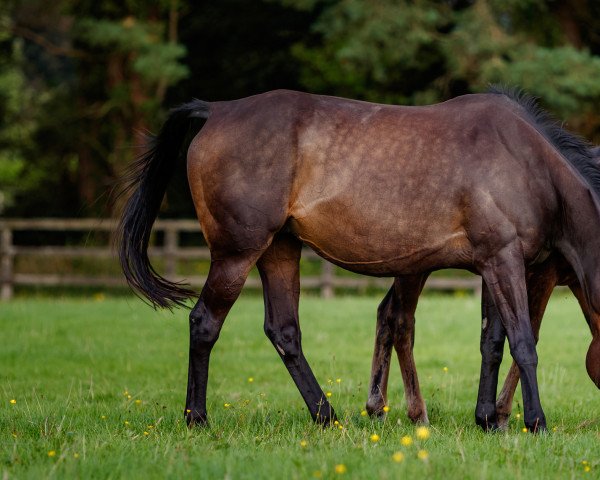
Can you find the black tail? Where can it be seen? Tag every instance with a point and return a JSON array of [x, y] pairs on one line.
[[147, 180]]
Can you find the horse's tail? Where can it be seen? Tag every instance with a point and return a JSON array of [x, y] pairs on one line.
[[147, 180]]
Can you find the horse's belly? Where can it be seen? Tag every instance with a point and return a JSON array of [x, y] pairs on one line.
[[385, 246]]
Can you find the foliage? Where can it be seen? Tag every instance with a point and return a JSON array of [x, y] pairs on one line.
[[419, 52], [81, 81], [90, 377]]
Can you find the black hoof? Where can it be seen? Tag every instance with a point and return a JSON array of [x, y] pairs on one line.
[[375, 410], [194, 418], [486, 418], [539, 426]]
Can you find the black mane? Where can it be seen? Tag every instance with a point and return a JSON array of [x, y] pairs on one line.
[[578, 151]]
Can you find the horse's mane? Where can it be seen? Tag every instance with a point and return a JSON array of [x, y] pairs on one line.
[[578, 151]]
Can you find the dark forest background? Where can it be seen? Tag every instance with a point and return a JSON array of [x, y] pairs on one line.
[[82, 80]]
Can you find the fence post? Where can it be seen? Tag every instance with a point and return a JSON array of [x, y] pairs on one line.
[[170, 248], [326, 279], [6, 267]]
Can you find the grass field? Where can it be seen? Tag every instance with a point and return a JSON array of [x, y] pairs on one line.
[[96, 389]]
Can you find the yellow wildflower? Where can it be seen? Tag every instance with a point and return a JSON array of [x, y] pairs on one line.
[[138, 402], [525, 429], [406, 440], [374, 438], [386, 409], [52, 453], [227, 405], [340, 468], [75, 455], [187, 410], [338, 380], [363, 413], [328, 394], [422, 433], [128, 397], [13, 401], [517, 416], [146, 433], [423, 455], [303, 443], [398, 457], [445, 369], [103, 417], [250, 379]]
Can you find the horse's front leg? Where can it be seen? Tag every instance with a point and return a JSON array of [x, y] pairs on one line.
[[504, 274], [492, 350], [224, 284], [396, 326], [539, 288], [279, 271]]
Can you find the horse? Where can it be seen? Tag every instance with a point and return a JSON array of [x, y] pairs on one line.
[[474, 183], [396, 322]]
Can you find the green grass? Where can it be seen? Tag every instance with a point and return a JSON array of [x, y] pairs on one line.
[[68, 364]]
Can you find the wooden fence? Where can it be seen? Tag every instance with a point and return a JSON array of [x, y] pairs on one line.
[[170, 253]]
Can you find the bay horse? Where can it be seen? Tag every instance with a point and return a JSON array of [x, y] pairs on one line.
[[472, 183], [396, 323]]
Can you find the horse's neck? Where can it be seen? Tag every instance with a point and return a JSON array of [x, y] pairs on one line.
[[579, 236]]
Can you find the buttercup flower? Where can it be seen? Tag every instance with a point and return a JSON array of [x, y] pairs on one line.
[[52, 453], [406, 440], [363, 413], [303, 443], [398, 457], [374, 438], [422, 455], [386, 409], [340, 468], [422, 433], [13, 401]]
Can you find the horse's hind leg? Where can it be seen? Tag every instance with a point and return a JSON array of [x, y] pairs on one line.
[[224, 284], [382, 354], [279, 271], [396, 326]]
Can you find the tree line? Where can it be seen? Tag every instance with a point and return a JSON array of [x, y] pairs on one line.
[[83, 81]]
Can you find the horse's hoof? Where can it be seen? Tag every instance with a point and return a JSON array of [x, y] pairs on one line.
[[539, 426], [194, 418], [326, 419], [419, 418], [503, 419], [486, 418], [374, 407]]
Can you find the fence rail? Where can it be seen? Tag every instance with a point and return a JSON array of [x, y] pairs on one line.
[[170, 252]]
